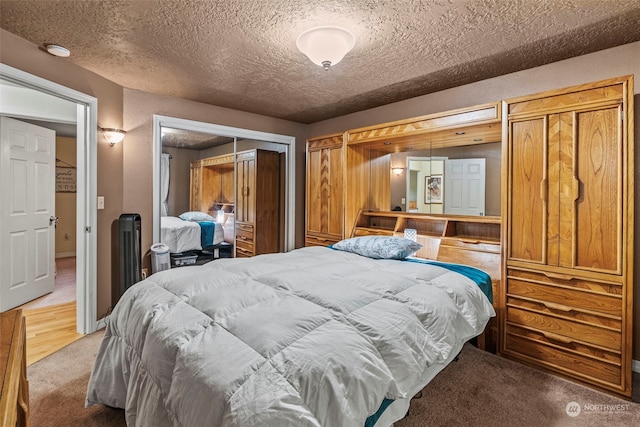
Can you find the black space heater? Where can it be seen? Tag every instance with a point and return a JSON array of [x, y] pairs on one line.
[[130, 235]]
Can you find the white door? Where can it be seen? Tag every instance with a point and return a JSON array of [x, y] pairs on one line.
[[464, 182], [27, 212]]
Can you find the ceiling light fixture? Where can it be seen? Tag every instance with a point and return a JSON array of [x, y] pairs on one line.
[[57, 50], [325, 46], [113, 136]]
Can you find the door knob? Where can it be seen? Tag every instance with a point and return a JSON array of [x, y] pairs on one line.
[[53, 220]]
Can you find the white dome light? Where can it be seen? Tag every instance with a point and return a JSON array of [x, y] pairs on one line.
[[326, 46]]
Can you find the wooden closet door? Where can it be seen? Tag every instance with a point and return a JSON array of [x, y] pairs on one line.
[[528, 190], [566, 190], [226, 185], [325, 191], [245, 203], [195, 188], [596, 240]]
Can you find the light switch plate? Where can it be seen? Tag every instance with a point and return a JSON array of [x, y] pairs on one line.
[[100, 202]]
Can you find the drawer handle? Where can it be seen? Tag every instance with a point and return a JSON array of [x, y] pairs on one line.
[[556, 337], [543, 190], [558, 276], [576, 188], [559, 307], [474, 242]]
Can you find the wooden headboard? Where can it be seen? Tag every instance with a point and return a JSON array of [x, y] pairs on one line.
[[469, 240]]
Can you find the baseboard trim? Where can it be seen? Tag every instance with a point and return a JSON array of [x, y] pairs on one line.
[[65, 254], [635, 366]]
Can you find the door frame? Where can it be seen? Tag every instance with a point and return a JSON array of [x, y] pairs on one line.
[[160, 121], [86, 196]]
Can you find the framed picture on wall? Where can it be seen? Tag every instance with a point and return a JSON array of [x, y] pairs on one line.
[[433, 189], [65, 179]]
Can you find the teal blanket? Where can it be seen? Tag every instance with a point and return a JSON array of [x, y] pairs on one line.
[[480, 277]]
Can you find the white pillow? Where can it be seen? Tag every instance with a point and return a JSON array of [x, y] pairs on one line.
[[379, 247], [196, 216]]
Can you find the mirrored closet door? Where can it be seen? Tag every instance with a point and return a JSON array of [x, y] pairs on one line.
[[220, 192]]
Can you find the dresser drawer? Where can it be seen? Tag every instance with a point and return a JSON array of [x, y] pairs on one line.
[[244, 230], [244, 244], [362, 231], [242, 252], [566, 356], [567, 326], [471, 244], [320, 240], [566, 294]]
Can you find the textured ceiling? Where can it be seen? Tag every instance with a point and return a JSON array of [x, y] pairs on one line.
[[241, 54]]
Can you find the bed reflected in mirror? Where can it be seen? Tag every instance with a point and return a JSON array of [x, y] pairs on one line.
[[220, 195]]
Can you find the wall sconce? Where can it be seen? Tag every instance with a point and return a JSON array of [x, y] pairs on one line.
[[325, 46], [113, 136], [397, 171]]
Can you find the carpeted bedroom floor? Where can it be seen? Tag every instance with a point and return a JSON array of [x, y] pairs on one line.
[[480, 389]]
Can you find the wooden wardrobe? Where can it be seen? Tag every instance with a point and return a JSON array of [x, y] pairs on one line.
[[325, 192], [568, 169], [563, 271], [255, 203], [257, 209]]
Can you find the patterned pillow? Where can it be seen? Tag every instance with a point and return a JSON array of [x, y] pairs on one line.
[[379, 247], [196, 216]]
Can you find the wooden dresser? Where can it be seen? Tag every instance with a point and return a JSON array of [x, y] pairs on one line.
[[569, 232], [14, 397]]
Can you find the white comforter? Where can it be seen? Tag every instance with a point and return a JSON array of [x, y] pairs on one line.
[[313, 337], [179, 235]]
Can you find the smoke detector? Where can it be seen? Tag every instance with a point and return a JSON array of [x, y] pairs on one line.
[[57, 50]]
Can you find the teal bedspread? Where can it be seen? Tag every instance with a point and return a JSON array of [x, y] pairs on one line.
[[480, 277]]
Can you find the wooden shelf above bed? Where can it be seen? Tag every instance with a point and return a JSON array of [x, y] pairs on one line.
[[470, 229]]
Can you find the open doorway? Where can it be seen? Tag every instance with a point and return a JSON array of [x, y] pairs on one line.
[[22, 96]]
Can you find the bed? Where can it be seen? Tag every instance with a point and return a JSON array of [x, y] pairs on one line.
[[313, 337], [188, 235]]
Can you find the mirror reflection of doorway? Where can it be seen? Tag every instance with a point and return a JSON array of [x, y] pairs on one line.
[[425, 184], [438, 185], [464, 186]]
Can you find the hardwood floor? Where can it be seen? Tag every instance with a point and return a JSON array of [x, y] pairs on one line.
[[49, 329]]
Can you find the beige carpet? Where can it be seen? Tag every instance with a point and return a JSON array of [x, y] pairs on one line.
[[480, 389]]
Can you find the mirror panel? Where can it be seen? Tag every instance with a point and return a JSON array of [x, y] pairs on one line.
[[225, 177], [428, 166]]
